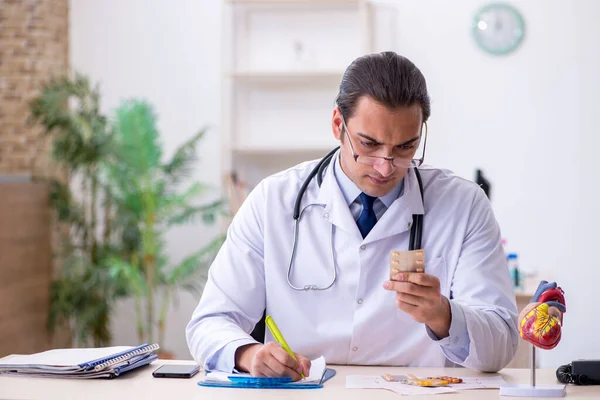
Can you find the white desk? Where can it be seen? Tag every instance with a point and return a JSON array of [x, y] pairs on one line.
[[141, 385]]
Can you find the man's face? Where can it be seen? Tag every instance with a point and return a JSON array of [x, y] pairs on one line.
[[376, 130]]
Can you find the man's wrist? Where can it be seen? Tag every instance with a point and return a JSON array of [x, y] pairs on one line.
[[244, 355], [440, 326]]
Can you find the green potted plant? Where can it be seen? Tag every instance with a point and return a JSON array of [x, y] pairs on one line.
[[150, 197], [68, 108]]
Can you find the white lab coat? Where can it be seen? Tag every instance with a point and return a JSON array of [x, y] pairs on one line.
[[356, 321]]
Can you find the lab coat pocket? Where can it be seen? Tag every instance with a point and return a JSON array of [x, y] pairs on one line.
[[437, 267]]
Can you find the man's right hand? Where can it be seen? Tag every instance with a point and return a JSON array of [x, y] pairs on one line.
[[270, 360]]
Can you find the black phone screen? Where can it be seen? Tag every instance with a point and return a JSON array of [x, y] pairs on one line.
[[176, 371]]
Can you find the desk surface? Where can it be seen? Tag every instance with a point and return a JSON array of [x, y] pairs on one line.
[[140, 384]]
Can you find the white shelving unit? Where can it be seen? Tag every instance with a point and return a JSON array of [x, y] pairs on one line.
[[283, 64]]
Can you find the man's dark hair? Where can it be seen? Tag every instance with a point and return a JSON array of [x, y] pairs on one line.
[[388, 78]]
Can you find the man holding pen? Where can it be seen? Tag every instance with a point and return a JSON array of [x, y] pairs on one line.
[[336, 297]]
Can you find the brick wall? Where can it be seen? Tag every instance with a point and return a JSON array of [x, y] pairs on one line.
[[25, 267], [34, 46]]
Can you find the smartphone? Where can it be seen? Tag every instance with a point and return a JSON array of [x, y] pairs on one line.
[[176, 371]]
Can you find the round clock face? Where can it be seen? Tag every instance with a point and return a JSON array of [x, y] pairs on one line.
[[498, 28]]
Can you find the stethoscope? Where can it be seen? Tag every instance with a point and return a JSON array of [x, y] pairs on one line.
[[416, 230]]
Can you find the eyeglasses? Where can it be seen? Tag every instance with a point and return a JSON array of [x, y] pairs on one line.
[[397, 161]]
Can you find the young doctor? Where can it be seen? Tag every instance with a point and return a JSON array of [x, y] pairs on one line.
[[336, 298]]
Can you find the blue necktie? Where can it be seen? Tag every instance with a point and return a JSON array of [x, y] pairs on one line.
[[366, 220]]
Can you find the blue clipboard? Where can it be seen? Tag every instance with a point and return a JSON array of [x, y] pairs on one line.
[[246, 382]]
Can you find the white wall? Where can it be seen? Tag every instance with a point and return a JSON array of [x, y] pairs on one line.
[[167, 52], [525, 119]]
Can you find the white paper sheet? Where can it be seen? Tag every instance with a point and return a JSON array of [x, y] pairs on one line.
[[377, 382], [63, 357], [317, 369], [482, 382]]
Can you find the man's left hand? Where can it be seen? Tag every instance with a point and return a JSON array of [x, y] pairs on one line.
[[419, 295]]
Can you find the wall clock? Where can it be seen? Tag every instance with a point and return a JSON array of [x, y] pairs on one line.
[[498, 28]]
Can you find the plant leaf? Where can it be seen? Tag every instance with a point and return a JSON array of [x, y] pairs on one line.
[[181, 164], [197, 261], [208, 213]]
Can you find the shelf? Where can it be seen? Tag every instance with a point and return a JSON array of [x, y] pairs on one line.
[[286, 76], [283, 64]]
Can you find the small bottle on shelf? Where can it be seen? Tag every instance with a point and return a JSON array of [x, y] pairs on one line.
[[515, 272]]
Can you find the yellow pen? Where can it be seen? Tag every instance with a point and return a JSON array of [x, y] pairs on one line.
[[279, 338]]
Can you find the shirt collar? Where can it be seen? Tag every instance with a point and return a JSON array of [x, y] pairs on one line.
[[351, 191]]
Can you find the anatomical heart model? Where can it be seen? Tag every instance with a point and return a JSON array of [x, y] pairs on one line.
[[540, 322]]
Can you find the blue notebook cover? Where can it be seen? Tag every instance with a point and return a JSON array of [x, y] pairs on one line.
[[101, 363], [136, 363]]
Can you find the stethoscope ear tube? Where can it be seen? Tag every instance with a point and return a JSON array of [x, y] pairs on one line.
[[416, 229], [317, 170]]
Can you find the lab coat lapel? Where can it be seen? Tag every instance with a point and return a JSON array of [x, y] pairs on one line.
[[336, 208], [398, 218]]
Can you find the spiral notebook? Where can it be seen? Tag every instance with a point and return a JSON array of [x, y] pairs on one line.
[[104, 362]]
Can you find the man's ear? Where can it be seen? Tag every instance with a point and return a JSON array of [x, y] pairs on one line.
[[336, 124]]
